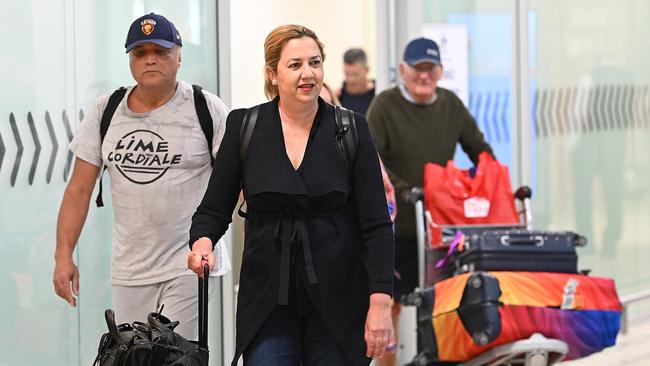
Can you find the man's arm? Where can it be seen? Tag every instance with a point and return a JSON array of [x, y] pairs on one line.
[[472, 140], [72, 215]]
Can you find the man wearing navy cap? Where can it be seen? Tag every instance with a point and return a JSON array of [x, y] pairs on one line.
[[414, 123], [158, 156]]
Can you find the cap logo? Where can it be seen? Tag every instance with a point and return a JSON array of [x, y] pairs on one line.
[[432, 52], [147, 26]]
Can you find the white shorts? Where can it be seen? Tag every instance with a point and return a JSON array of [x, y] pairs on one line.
[[179, 295]]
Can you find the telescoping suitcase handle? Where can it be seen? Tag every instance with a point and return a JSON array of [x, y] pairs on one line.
[[203, 307]]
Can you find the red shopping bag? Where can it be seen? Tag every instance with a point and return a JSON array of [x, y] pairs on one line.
[[453, 197]]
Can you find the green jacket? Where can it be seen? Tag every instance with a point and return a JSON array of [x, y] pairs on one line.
[[408, 136]]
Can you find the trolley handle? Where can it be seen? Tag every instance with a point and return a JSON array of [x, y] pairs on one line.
[[524, 195], [524, 192], [414, 195]]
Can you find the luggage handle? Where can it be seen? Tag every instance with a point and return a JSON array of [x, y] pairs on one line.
[[536, 240], [203, 307]]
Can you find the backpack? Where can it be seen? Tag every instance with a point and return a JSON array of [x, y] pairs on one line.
[[202, 112], [346, 135]]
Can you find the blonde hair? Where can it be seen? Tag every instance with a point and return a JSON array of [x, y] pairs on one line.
[[273, 45]]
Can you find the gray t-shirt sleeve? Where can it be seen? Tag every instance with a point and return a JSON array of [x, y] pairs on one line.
[[219, 113], [86, 145]]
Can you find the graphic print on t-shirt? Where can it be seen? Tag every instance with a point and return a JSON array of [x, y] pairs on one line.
[[143, 156]]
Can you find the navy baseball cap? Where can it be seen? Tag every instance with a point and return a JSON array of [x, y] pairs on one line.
[[153, 28], [422, 50]]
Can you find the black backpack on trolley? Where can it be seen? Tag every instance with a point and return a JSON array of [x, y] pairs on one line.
[[155, 343]]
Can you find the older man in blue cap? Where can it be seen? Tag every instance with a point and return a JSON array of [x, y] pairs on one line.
[[157, 140], [412, 124]]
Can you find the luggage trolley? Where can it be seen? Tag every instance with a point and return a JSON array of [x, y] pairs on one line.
[[536, 350]]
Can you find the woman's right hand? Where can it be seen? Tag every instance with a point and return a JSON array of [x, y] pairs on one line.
[[201, 253]]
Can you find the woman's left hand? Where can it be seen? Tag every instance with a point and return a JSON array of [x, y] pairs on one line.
[[379, 334], [201, 253]]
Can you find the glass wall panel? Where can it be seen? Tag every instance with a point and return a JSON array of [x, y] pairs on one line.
[[490, 54], [60, 57], [592, 119], [32, 162]]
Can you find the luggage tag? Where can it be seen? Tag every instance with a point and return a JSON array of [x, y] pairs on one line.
[[458, 238]]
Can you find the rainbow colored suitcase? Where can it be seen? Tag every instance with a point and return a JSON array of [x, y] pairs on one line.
[[583, 311]]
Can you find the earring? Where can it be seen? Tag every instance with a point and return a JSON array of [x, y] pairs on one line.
[[274, 82]]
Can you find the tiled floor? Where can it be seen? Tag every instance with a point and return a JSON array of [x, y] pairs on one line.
[[632, 349]]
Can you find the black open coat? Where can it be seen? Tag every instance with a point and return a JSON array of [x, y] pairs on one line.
[[333, 213]]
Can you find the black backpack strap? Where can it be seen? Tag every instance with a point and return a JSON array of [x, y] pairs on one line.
[[99, 201], [245, 133], [247, 127], [205, 119], [111, 106], [346, 133]]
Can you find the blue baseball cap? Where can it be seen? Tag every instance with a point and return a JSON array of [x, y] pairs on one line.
[[152, 28], [422, 50]]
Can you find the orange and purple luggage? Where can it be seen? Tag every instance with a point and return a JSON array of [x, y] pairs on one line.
[[581, 310]]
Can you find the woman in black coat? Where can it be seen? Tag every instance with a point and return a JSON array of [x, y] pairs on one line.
[[316, 276]]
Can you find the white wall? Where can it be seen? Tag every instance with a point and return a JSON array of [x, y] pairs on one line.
[[340, 24]]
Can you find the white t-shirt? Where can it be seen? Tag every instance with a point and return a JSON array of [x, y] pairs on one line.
[[159, 166]]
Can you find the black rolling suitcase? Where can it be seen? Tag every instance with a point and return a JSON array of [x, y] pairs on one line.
[[155, 342], [520, 250], [450, 266]]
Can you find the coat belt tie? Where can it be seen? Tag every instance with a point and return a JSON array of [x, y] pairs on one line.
[[292, 228]]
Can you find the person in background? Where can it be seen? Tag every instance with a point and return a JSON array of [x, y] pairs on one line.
[[412, 124], [357, 90], [328, 95], [158, 162], [317, 267]]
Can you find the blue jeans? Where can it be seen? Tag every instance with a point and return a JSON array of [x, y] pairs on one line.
[[287, 339]]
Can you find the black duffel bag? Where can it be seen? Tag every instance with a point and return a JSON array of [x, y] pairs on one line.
[[142, 344], [154, 343]]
